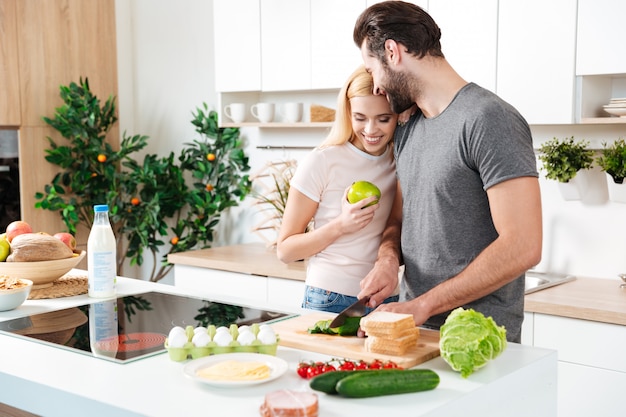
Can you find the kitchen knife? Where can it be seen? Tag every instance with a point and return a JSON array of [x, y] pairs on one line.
[[356, 309]]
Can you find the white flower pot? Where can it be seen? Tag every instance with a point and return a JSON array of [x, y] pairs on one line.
[[576, 187], [617, 192]]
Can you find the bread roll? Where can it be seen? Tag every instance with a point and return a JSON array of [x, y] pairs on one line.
[[286, 403]]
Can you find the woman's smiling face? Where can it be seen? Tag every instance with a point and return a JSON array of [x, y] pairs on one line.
[[373, 123]]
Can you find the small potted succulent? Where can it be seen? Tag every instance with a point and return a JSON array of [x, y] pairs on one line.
[[612, 160], [564, 161]]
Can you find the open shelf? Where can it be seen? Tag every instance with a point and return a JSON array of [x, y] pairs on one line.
[[279, 125]]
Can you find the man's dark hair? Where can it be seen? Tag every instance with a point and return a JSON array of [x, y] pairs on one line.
[[402, 22]]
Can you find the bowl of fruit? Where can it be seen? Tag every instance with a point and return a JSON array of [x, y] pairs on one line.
[[38, 257]]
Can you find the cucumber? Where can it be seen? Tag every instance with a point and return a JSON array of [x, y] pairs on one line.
[[327, 382], [389, 382]]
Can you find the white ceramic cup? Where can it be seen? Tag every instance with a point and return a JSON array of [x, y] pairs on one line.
[[263, 111], [291, 112], [236, 112]]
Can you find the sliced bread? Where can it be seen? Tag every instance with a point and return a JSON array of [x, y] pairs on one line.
[[392, 346]]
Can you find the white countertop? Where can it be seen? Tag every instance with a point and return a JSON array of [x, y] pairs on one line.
[[51, 381]]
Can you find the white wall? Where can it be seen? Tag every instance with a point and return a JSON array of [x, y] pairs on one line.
[[166, 70]]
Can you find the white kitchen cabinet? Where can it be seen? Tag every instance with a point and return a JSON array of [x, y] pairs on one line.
[[592, 364], [469, 47], [286, 45], [600, 61], [237, 45], [334, 56], [271, 293], [600, 37], [536, 58]]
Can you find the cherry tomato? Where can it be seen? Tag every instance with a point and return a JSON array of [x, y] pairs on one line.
[[361, 365], [375, 365], [328, 368], [347, 366], [390, 365], [302, 370], [313, 371]]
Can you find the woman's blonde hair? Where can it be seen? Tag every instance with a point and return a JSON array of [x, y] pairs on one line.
[[359, 84]]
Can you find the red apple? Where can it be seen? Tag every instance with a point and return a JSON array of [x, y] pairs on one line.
[[17, 228], [66, 238]]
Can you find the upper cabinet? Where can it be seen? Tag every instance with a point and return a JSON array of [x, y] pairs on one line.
[[600, 47], [536, 56], [469, 47], [9, 76], [237, 38], [284, 45], [334, 56]]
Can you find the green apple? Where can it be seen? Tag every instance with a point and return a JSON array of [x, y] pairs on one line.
[[363, 189], [5, 247]]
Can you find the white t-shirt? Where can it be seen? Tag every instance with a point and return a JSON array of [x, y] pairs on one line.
[[323, 176]]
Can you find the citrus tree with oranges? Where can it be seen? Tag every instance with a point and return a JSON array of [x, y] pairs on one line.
[[162, 204]]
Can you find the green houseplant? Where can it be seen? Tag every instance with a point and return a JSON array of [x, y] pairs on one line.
[[562, 159], [175, 201], [613, 160]]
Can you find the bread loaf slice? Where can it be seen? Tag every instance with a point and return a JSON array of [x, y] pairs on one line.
[[287, 403], [392, 346], [386, 323]]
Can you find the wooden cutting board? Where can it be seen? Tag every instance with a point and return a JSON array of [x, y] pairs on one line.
[[293, 333]]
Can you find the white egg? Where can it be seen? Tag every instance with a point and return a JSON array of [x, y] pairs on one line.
[[177, 340], [265, 327], [222, 338], [244, 328], [176, 330], [222, 329], [199, 329], [201, 339], [267, 336], [246, 338]]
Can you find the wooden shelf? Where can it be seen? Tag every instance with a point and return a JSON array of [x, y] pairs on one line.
[[603, 120], [279, 125]]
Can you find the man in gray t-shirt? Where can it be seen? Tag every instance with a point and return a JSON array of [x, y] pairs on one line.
[[467, 218]]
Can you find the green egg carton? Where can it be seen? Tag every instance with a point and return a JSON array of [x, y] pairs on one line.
[[193, 352]]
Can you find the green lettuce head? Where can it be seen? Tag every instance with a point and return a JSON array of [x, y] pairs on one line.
[[468, 340]]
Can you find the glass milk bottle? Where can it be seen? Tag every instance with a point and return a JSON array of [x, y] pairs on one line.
[[101, 250]]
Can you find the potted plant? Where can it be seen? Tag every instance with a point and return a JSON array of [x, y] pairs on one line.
[[564, 161], [613, 161], [161, 204]]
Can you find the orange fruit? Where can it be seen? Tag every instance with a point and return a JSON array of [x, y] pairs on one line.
[[102, 158], [174, 240], [209, 187], [134, 201], [210, 157], [363, 189]]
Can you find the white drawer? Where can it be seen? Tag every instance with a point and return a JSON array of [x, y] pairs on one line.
[[582, 342]]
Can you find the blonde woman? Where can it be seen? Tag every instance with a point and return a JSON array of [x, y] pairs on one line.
[[343, 244]]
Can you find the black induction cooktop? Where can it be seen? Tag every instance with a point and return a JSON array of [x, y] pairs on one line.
[[130, 327]]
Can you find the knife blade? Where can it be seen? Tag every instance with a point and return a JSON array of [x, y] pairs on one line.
[[356, 309]]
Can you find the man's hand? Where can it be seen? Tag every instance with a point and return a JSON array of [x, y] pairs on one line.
[[381, 281]]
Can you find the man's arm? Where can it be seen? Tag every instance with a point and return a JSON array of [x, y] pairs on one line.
[[382, 280], [516, 213]]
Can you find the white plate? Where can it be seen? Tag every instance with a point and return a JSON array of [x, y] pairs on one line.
[[617, 111], [277, 367]]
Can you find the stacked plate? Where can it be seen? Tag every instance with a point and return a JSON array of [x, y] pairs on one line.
[[616, 107]]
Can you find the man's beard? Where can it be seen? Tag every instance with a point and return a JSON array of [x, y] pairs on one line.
[[397, 88]]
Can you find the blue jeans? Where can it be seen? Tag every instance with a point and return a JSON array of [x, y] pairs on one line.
[[324, 300]]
